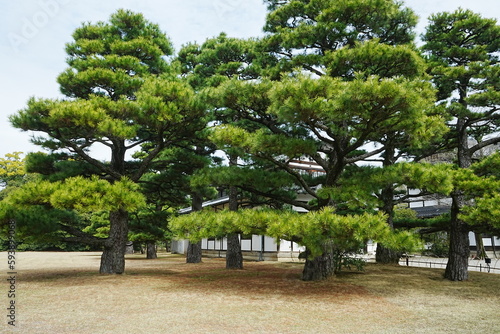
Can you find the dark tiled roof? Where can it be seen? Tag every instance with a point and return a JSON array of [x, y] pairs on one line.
[[431, 211]]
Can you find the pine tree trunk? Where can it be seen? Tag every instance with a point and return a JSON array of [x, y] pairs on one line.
[[493, 246], [480, 251], [386, 256], [193, 254], [129, 248], [151, 250], [234, 257], [113, 256], [319, 268], [458, 258]]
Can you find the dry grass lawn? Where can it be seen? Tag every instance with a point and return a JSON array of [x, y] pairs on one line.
[[63, 293]]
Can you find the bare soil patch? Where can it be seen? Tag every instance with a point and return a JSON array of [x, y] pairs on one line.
[[63, 293]]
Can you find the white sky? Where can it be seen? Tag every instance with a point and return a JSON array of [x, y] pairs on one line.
[[33, 34]]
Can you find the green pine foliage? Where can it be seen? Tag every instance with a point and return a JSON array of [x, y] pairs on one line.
[[347, 233], [484, 187]]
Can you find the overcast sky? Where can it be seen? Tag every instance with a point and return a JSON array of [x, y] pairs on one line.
[[33, 34]]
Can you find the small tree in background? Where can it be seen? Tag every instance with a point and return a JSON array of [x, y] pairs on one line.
[[12, 171]]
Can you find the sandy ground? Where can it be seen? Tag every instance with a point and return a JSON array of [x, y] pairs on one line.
[[63, 293], [56, 260]]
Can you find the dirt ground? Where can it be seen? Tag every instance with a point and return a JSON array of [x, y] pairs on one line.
[[63, 293]]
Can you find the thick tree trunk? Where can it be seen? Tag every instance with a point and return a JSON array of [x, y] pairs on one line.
[[193, 254], [234, 257], [194, 250], [113, 256], [151, 250], [458, 258], [129, 248], [319, 268], [386, 256], [383, 254]]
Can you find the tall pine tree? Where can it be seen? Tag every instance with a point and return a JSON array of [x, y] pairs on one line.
[[121, 93], [462, 48]]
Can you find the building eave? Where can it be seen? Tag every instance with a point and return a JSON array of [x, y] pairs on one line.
[[214, 202]]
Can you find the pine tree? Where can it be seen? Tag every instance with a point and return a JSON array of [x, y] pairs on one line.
[[462, 49], [122, 93]]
